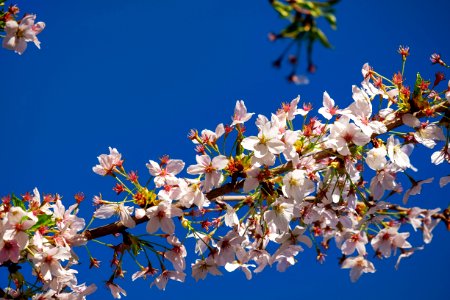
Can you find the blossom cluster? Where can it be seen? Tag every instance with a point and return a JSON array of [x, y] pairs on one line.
[[260, 202], [295, 182], [38, 234], [19, 31]]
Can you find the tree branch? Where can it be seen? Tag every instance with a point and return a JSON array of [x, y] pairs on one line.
[[228, 188]]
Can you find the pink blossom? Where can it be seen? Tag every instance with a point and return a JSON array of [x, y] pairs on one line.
[[49, 262], [261, 257], [211, 169], [192, 194], [440, 156], [328, 110], [203, 267], [444, 181], [161, 280], [388, 239], [108, 162], [167, 174], [358, 266], [177, 254], [398, 153], [285, 256], [376, 158], [415, 189], [343, 133], [116, 290], [240, 114], [18, 34], [108, 210], [354, 241], [360, 112], [297, 186], [429, 223], [382, 181], [228, 246], [161, 217], [237, 264], [279, 217], [252, 179], [266, 145], [9, 250], [289, 111]]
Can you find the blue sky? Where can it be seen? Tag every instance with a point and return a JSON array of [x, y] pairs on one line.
[[137, 75]]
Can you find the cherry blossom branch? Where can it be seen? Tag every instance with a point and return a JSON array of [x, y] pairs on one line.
[[117, 227], [390, 125]]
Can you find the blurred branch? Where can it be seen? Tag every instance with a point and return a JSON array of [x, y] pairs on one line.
[[302, 28]]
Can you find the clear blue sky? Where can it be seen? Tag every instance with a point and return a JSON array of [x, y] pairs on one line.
[[137, 75]]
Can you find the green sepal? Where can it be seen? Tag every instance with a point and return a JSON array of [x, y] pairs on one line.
[[17, 202]]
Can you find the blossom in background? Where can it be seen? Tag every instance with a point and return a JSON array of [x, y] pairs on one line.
[[19, 33]]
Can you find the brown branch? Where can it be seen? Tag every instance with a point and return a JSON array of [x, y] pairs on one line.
[[390, 125], [228, 188], [117, 227]]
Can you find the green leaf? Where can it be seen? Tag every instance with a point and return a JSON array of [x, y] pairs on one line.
[[418, 101], [292, 31], [43, 220], [18, 202], [322, 37], [283, 9], [331, 18], [135, 244]]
